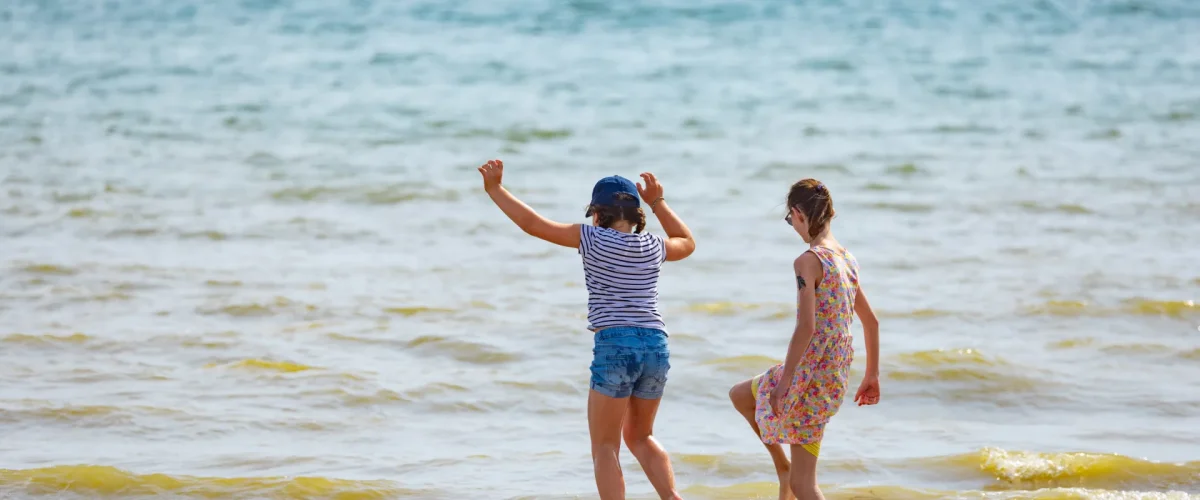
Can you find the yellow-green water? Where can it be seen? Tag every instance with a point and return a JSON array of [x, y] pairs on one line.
[[244, 252]]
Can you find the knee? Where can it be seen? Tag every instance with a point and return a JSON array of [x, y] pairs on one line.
[[741, 397], [635, 440], [636, 444], [605, 449]]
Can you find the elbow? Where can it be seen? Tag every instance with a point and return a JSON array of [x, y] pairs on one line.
[[689, 248]]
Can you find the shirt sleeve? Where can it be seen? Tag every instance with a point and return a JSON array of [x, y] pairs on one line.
[[585, 238], [662, 248]]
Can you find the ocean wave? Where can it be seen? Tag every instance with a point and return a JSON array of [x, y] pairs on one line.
[[415, 310], [388, 194], [795, 171], [48, 269], [1062, 208], [279, 305], [111, 481], [46, 339], [34, 411], [917, 208], [764, 311], [748, 364], [906, 170], [968, 375], [282, 367], [1133, 307], [917, 314], [770, 490], [462, 350], [740, 465], [264, 365], [1027, 469], [352, 398]]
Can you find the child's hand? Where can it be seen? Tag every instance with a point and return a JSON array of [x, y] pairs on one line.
[[868, 391], [777, 394], [653, 190], [492, 171]]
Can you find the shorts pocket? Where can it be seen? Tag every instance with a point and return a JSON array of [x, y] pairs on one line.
[[613, 371]]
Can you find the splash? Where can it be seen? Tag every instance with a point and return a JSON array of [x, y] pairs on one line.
[[1082, 469]]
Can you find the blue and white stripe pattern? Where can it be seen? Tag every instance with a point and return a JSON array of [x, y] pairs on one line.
[[621, 273]]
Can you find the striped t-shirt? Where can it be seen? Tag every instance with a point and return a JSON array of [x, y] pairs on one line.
[[621, 273]]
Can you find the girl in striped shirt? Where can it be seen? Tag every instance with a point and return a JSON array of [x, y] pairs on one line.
[[630, 359]]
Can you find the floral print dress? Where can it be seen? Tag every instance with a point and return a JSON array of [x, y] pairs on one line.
[[823, 376]]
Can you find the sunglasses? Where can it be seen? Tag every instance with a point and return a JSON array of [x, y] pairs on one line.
[[788, 218]]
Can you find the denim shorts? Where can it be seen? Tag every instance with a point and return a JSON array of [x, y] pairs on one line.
[[630, 361]]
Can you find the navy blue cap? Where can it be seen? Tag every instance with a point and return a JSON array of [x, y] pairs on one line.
[[604, 194]]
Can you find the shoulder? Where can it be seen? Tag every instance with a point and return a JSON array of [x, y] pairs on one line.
[[807, 264], [648, 236]]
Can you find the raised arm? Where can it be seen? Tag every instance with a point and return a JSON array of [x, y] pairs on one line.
[[528, 220], [679, 243], [868, 391], [808, 273]]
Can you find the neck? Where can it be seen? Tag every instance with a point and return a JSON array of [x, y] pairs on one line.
[[820, 239], [622, 226]]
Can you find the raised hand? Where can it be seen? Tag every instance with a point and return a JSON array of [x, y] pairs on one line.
[[868, 392], [492, 172], [652, 191]]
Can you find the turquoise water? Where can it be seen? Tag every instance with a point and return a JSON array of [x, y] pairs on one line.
[[247, 240]]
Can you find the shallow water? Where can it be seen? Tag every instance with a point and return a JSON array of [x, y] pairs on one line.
[[244, 251]]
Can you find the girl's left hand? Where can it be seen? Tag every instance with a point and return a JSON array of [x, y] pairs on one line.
[[868, 392], [492, 172]]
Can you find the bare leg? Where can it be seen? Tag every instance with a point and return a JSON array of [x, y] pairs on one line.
[[605, 417], [639, 430], [804, 475], [743, 401]]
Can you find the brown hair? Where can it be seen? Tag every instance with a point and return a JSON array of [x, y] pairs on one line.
[[813, 200], [610, 214]]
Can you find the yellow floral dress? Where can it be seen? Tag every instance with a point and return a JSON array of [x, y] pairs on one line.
[[823, 376]]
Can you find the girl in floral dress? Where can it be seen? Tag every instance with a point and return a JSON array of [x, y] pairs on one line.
[[791, 402]]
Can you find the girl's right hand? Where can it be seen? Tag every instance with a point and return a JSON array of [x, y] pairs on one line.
[[652, 191], [492, 172]]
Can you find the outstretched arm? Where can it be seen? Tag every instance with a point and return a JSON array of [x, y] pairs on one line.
[[528, 220], [679, 244]]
